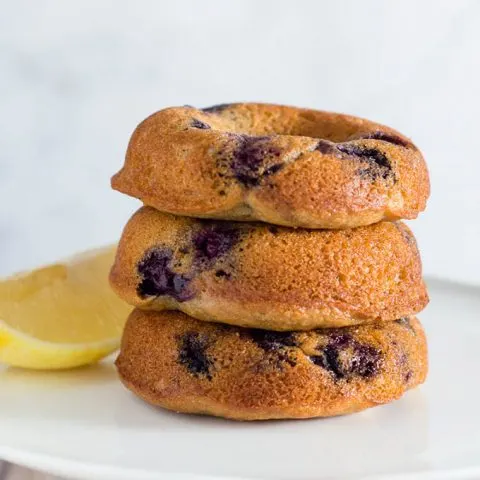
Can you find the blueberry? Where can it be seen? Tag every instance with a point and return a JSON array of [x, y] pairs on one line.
[[249, 158], [329, 360], [387, 137], [273, 169], [278, 346], [215, 241], [325, 147], [270, 340], [345, 358], [365, 361], [192, 353], [222, 274], [158, 278], [379, 165], [195, 123]]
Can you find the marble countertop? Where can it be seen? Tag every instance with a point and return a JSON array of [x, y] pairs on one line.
[[14, 472]]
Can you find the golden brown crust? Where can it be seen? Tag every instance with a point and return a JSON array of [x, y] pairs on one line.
[[179, 363], [277, 278], [265, 162]]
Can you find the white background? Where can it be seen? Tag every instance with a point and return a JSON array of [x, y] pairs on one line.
[[76, 78]]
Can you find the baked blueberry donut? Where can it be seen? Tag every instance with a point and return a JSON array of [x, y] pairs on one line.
[[281, 165], [263, 276], [179, 363]]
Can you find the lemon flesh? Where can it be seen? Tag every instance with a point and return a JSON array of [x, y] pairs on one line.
[[61, 316]]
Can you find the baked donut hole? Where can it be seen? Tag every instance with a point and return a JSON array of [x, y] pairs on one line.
[[174, 361], [278, 164], [275, 278]]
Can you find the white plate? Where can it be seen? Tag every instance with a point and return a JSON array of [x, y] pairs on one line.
[[84, 424]]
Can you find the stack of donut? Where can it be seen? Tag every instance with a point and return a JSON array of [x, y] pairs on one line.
[[270, 271]]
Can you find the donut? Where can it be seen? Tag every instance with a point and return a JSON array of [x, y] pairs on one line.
[[176, 362], [264, 276], [281, 165]]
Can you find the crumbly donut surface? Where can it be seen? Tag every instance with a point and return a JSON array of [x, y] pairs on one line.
[[281, 165], [263, 276], [182, 364]]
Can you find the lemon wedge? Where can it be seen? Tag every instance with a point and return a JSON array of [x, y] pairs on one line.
[[63, 315]]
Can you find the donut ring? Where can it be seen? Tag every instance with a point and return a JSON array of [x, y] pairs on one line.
[[264, 276], [179, 363], [281, 165]]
